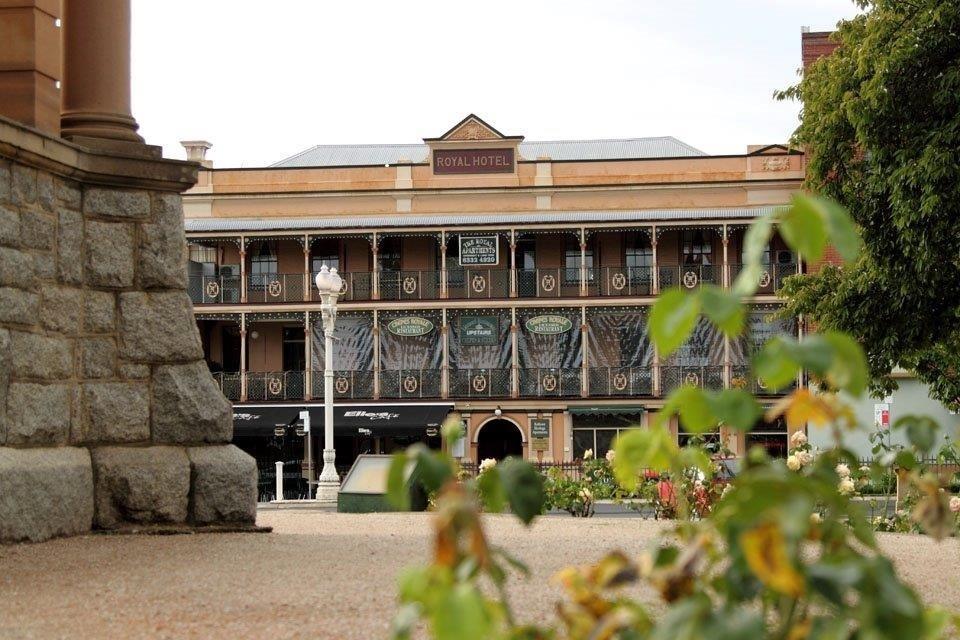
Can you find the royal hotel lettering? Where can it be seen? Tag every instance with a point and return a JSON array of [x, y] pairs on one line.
[[451, 161]]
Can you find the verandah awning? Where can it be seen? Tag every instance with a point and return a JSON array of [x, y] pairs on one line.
[[380, 419]]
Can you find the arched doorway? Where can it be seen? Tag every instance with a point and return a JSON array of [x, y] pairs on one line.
[[498, 439]]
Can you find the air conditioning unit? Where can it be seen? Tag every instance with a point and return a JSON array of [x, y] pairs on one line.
[[230, 270]]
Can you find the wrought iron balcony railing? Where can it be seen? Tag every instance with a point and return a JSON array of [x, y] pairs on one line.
[[357, 285], [620, 381], [275, 385], [276, 287], [548, 283], [707, 377], [742, 378], [620, 281], [347, 385], [410, 383], [481, 283], [550, 382], [214, 289], [771, 276], [480, 383], [409, 285], [230, 384], [689, 276]]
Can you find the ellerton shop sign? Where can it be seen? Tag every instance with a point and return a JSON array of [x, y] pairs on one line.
[[459, 161]]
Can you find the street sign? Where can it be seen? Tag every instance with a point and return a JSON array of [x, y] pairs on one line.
[[881, 415], [539, 434]]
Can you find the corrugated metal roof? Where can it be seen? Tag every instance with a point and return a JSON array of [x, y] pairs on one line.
[[335, 155], [458, 219]]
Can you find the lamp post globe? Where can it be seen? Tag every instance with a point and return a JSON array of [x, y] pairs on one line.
[[328, 283]]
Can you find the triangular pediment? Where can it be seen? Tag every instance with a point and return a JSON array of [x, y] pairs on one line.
[[472, 128]]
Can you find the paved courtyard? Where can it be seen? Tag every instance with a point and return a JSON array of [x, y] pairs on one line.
[[319, 575]]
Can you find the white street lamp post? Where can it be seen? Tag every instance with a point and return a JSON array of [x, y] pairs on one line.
[[328, 283]]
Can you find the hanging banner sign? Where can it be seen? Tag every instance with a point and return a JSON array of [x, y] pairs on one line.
[[881, 415], [410, 326], [549, 324], [539, 434], [479, 330], [477, 250]]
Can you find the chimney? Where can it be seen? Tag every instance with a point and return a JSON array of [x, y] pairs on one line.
[[815, 45], [197, 152]]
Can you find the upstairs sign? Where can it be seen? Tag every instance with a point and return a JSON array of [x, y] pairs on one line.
[[460, 161]]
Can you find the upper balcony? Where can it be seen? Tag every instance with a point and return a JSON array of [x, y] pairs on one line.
[[490, 265]]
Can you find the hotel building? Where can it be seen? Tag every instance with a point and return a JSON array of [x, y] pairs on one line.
[[505, 280]]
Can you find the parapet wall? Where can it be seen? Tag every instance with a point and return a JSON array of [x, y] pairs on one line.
[[108, 414]]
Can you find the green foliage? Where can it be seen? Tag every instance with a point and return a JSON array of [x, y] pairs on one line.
[[781, 553], [881, 129]]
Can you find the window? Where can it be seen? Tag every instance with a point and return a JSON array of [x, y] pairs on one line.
[[571, 260], [203, 254], [598, 432], [709, 440], [637, 251], [389, 257], [294, 357], [325, 252], [264, 261], [527, 254], [696, 247], [772, 436]]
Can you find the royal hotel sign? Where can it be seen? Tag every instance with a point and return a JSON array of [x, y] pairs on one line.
[[460, 161]]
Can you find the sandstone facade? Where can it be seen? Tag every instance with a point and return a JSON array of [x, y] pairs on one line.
[[101, 369]]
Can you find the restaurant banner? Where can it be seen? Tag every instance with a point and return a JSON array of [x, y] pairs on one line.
[[549, 340], [411, 341]]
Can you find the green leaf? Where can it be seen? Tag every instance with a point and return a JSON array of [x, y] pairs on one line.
[[804, 228], [523, 487], [462, 615], [841, 230], [724, 309], [848, 367], [921, 431], [641, 449], [736, 408], [776, 364], [694, 408], [672, 320], [815, 353], [398, 493], [757, 240], [452, 430], [433, 469]]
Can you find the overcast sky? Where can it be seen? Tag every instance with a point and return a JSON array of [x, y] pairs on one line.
[[263, 80]]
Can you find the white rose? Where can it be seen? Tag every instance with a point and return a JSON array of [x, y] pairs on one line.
[[611, 454], [727, 488], [588, 454], [585, 494], [955, 504], [487, 463], [846, 486], [815, 518], [843, 470], [805, 458], [793, 463], [798, 439]]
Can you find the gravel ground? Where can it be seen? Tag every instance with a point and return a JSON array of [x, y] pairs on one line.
[[319, 575]]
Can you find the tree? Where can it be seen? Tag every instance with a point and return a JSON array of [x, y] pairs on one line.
[[881, 128]]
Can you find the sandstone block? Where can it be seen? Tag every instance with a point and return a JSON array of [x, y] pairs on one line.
[[18, 306], [109, 254], [70, 246], [9, 227], [37, 356], [46, 493], [99, 311], [98, 357], [130, 371], [36, 229], [116, 412], [67, 192], [162, 247], [140, 485], [4, 181], [38, 413], [16, 269], [23, 184], [188, 406], [46, 196], [116, 203], [4, 381], [224, 480], [158, 327], [60, 308]]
